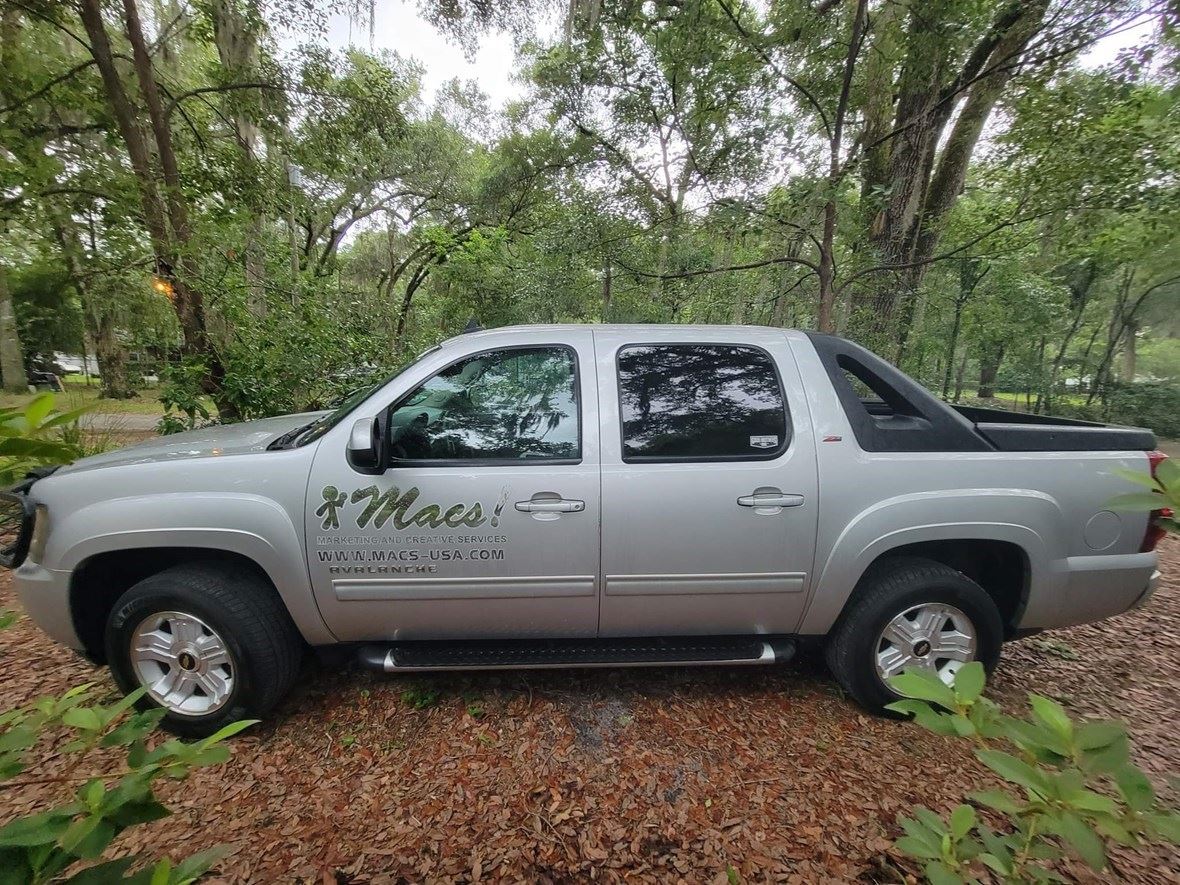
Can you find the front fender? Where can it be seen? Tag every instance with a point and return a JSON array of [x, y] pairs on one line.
[[250, 525], [973, 514]]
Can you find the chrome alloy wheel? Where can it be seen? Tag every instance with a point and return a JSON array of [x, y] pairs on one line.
[[184, 664], [932, 636]]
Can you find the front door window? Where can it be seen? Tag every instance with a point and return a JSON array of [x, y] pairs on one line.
[[501, 406]]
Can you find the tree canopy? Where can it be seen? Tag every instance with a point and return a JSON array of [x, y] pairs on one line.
[[963, 185]]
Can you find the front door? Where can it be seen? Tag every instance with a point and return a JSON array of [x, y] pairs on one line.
[[485, 524], [708, 487]]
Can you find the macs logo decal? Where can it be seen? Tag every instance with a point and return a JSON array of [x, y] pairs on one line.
[[402, 510]]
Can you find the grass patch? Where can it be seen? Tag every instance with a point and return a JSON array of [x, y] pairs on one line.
[[78, 394]]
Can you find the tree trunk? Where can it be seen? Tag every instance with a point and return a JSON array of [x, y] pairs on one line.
[[165, 216], [989, 367], [189, 303], [970, 274], [1042, 378], [1079, 290], [1130, 339], [899, 169], [1123, 320], [98, 316], [959, 378], [952, 346], [951, 173], [111, 355], [827, 257], [403, 315], [237, 48], [885, 27], [12, 360], [827, 298], [607, 284]]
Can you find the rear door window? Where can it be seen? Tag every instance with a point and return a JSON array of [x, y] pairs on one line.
[[700, 402]]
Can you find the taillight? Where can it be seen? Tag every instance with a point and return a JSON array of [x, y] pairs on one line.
[[1155, 532], [1155, 459]]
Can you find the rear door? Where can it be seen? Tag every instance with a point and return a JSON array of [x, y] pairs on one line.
[[709, 483], [485, 522]]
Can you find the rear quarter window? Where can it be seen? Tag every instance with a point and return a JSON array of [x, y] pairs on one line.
[[700, 402]]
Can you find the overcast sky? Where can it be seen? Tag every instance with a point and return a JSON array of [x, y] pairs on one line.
[[398, 27]]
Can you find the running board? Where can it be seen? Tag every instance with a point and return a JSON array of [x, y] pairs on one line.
[[531, 655]]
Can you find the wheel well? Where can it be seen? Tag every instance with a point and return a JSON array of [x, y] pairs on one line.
[[999, 567], [99, 581]]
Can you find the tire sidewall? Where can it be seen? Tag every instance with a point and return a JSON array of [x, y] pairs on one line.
[[962, 593], [155, 595]]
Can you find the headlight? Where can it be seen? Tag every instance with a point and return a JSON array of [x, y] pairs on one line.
[[40, 533]]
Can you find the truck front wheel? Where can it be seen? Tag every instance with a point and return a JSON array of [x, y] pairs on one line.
[[909, 613], [212, 644]]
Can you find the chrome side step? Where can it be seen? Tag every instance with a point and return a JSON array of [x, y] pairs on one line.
[[553, 654]]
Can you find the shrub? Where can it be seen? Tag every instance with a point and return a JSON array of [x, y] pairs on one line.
[[1154, 404], [41, 847], [180, 394], [34, 435], [1069, 786]]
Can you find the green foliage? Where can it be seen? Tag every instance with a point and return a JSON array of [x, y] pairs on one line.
[[68, 838], [32, 436], [1163, 494], [1153, 404], [46, 845], [1070, 787], [421, 697], [654, 149], [47, 310], [301, 357], [181, 395]]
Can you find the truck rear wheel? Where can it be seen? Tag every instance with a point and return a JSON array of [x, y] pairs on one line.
[[910, 613], [212, 644]]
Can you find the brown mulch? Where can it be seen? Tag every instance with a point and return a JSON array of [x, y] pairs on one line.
[[649, 775]]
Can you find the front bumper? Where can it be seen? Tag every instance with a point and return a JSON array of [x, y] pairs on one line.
[[45, 595]]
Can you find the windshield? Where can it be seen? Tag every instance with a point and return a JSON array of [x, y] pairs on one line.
[[309, 433]]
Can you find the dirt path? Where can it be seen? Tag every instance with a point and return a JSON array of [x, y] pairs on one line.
[[652, 775]]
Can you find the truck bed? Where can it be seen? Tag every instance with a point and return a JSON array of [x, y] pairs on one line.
[[890, 412], [1022, 432]]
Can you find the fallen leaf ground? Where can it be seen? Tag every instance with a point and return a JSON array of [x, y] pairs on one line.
[[644, 775]]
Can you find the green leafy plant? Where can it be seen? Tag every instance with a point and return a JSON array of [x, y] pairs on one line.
[[420, 697], [34, 435], [43, 846], [1071, 787], [181, 395], [1163, 494], [68, 839]]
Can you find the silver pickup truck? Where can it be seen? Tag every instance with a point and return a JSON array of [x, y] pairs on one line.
[[552, 496]]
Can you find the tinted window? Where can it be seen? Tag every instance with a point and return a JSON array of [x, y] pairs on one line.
[[711, 401], [501, 405]]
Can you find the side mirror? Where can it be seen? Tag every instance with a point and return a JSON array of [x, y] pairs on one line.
[[367, 451]]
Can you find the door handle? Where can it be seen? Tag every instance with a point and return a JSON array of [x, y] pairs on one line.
[[559, 506], [770, 500]]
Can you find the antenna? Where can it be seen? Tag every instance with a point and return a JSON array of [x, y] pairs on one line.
[[472, 326]]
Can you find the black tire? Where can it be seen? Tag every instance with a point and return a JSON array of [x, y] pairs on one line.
[[889, 588], [264, 646]]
